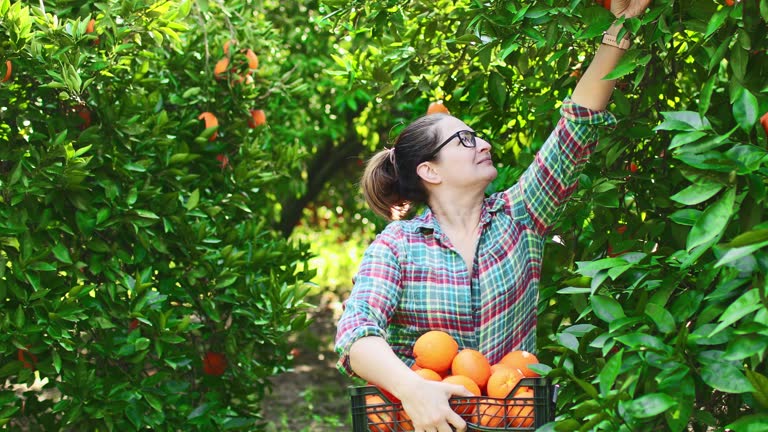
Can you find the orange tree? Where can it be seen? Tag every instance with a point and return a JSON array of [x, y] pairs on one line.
[[142, 283], [653, 311]]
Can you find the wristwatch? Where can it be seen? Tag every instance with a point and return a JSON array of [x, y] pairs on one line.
[[610, 39]]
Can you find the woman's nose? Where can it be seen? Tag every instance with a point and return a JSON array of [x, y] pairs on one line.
[[483, 145]]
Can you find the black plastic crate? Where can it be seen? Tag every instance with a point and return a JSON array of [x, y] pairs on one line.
[[480, 412]]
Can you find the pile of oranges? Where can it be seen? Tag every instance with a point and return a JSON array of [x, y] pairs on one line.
[[438, 358]]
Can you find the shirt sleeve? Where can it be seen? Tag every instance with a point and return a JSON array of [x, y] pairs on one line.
[[374, 295], [552, 177]]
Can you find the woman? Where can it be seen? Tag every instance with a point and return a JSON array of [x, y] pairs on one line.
[[469, 264]]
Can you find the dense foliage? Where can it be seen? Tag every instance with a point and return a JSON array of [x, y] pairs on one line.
[[142, 282], [653, 311]]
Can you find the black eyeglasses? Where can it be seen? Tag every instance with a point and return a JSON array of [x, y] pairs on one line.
[[467, 138]]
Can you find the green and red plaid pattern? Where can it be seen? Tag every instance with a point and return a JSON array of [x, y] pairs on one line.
[[412, 280]]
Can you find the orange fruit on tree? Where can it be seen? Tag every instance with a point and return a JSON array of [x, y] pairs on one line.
[[214, 363], [520, 411], [227, 44], [429, 374], [461, 407], [210, 121], [437, 108], [381, 414], [91, 24], [764, 122], [8, 71], [520, 359], [502, 382], [253, 60], [435, 350], [472, 363], [221, 67], [258, 118]]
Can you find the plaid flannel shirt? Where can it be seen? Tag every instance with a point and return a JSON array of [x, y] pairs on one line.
[[412, 280]]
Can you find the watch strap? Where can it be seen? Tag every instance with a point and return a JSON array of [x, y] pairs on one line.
[[609, 39]]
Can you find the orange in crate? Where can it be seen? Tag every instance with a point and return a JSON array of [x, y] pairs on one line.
[[491, 413], [520, 360], [435, 350], [381, 414], [457, 404], [521, 415], [503, 381], [472, 363]]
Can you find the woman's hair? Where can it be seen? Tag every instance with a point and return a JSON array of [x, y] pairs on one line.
[[390, 183]]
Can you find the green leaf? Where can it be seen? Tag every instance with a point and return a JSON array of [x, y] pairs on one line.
[[682, 139], [712, 222], [760, 383], [194, 199], [147, 214], [687, 217], [56, 360], [606, 308], [61, 253], [749, 237], [609, 373], [725, 377], [649, 405], [497, 91], [683, 121], [745, 109], [661, 317], [627, 65], [745, 346], [743, 306], [716, 21], [749, 423], [697, 193], [42, 266], [739, 252], [706, 95]]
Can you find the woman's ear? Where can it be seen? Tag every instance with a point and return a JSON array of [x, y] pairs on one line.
[[427, 173]]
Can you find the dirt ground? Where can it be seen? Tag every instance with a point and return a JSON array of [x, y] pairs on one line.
[[313, 397]]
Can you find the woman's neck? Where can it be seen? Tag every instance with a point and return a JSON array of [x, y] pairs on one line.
[[457, 212]]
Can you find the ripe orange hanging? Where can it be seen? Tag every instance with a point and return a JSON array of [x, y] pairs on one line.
[[210, 121], [214, 363], [90, 27], [221, 67], [437, 108], [8, 71], [253, 60], [258, 118]]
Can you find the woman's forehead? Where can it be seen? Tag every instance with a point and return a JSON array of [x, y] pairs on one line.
[[449, 126]]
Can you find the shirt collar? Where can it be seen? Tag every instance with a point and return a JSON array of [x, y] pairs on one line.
[[426, 220]]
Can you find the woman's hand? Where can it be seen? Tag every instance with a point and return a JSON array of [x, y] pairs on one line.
[[427, 406], [629, 8]]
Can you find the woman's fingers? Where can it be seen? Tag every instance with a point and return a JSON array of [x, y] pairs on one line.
[[457, 422]]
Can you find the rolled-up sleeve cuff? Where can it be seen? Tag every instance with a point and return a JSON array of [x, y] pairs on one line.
[[575, 113], [342, 346]]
